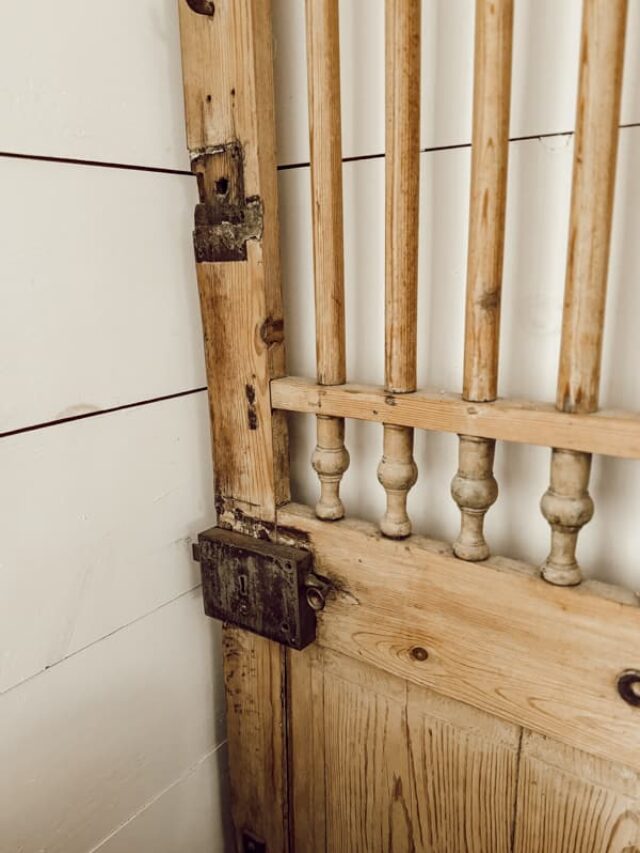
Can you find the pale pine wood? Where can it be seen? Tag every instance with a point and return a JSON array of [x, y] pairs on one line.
[[378, 764], [465, 766], [487, 209], [228, 82], [474, 488], [607, 432], [368, 807], [330, 458], [569, 801], [397, 471], [306, 719], [594, 168], [528, 652]]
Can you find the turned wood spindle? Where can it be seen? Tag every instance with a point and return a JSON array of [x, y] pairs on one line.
[[474, 488], [567, 505], [397, 470], [330, 458]]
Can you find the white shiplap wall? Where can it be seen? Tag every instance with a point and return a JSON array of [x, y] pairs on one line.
[[111, 735]]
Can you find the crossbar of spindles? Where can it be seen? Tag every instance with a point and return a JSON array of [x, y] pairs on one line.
[[567, 505], [474, 487], [330, 458], [397, 471]]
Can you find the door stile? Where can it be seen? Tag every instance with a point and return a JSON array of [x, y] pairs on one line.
[[229, 105]]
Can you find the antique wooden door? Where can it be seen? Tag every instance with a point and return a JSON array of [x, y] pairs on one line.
[[452, 701]]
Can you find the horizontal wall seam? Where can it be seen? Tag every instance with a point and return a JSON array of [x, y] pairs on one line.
[[85, 415], [105, 164], [181, 778], [99, 639]]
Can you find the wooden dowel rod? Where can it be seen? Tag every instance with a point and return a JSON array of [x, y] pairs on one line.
[[567, 505], [402, 181], [474, 488], [609, 433], [397, 471], [330, 458], [489, 163]]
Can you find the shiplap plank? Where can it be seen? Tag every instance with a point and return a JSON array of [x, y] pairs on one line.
[[92, 740], [98, 304], [537, 225], [97, 516], [64, 95], [94, 81], [192, 815]]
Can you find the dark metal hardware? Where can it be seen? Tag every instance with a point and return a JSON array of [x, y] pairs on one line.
[[252, 845], [224, 218], [266, 588], [629, 686], [202, 7]]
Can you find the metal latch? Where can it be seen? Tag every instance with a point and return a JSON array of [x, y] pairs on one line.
[[266, 588], [225, 219]]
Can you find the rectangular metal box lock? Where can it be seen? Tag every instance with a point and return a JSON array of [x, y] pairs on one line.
[[260, 586]]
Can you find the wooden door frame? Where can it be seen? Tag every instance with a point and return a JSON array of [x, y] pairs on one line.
[[464, 630], [229, 105]]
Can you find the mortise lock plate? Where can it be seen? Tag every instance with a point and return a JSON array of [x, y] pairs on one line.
[[224, 219], [266, 588]]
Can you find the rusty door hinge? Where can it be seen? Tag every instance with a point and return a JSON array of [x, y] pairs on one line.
[[266, 588], [224, 218]]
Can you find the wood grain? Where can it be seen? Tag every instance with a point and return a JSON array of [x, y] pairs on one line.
[[608, 432], [402, 179], [568, 507], [330, 458], [540, 656], [228, 83], [474, 488], [569, 801], [488, 203], [397, 471], [366, 760], [594, 169], [308, 777], [465, 764], [323, 75]]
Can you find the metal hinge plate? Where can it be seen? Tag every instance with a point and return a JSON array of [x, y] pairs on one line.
[[266, 588]]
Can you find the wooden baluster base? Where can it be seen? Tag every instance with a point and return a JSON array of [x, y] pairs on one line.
[[567, 506], [397, 473], [330, 460], [474, 489]]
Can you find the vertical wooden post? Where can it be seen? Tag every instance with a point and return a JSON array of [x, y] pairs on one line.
[[474, 488], [567, 505], [397, 471], [330, 458], [228, 87]]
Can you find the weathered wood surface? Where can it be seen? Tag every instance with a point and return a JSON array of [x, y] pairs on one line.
[[330, 458], [527, 652], [474, 488], [567, 505], [397, 471], [608, 432], [228, 84], [571, 802]]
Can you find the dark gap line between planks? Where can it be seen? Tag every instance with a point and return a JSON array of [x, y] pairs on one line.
[[284, 167], [83, 416]]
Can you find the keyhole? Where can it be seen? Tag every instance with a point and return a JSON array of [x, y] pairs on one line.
[[222, 186], [243, 584]]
